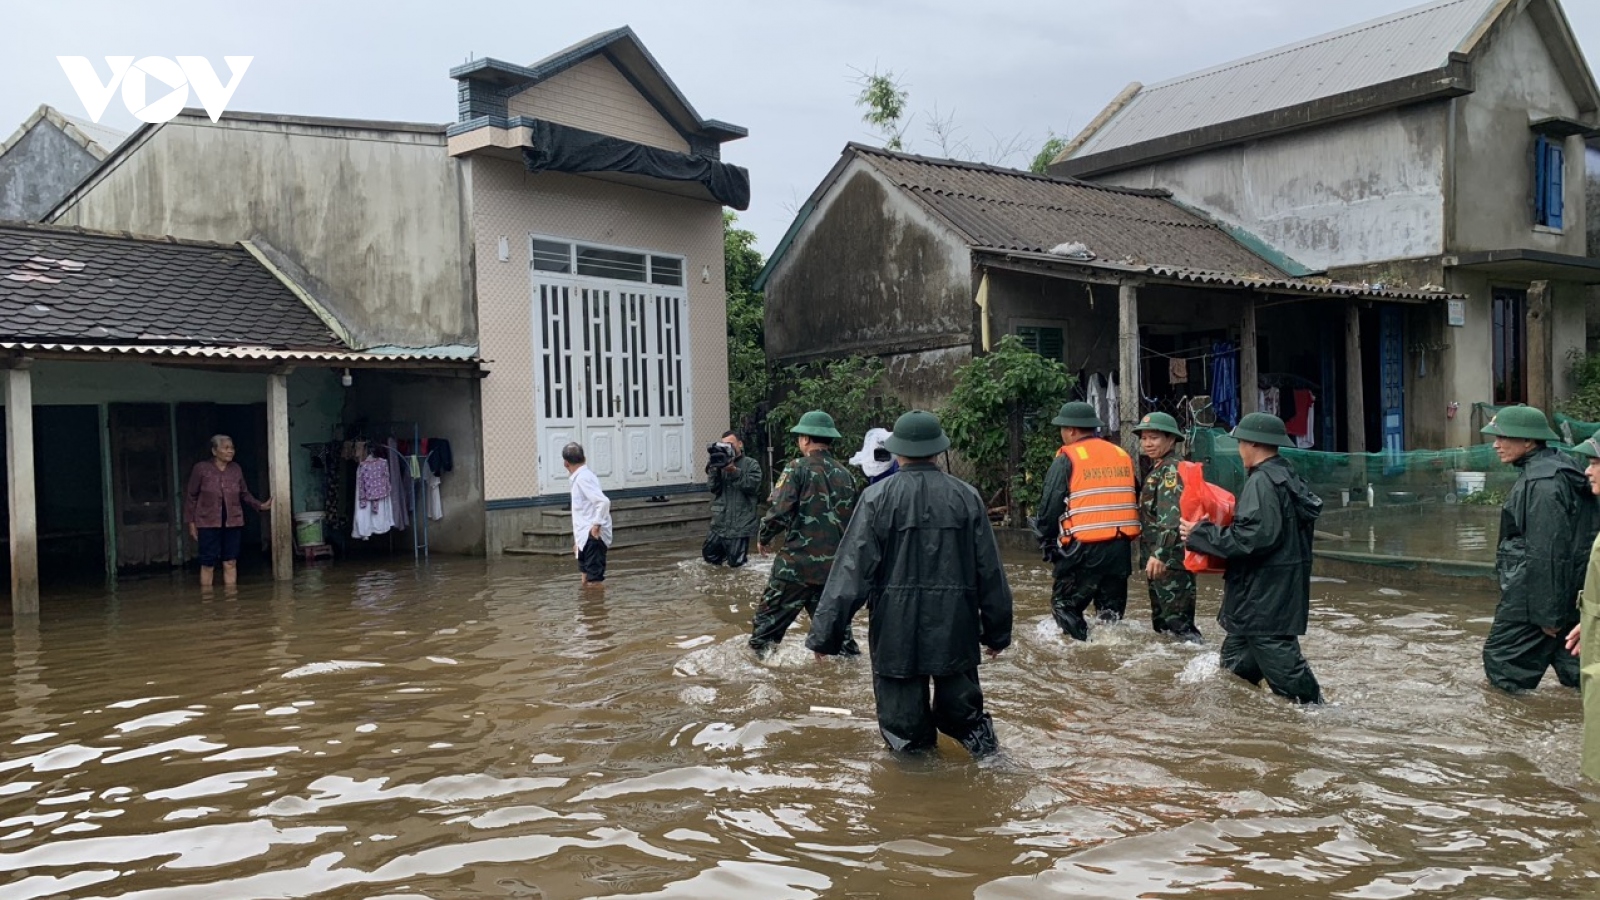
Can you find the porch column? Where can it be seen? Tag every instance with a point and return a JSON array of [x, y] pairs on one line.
[[1249, 359], [1128, 363], [1541, 383], [278, 475], [19, 474], [1354, 386]]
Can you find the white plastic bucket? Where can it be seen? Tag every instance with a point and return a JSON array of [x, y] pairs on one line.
[[308, 529], [1468, 483]]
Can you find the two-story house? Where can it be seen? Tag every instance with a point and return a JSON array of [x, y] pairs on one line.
[[1441, 145]]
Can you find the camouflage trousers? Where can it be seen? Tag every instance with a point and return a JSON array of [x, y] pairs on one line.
[[780, 606], [1172, 604]]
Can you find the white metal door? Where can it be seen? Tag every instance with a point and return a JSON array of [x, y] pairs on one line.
[[609, 373]]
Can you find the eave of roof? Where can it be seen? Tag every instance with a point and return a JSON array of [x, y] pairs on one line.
[[266, 357], [1229, 280]]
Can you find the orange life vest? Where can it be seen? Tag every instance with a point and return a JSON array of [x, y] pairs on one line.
[[1102, 501]]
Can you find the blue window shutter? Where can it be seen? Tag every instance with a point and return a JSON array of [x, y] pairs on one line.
[[1541, 180], [1555, 205]]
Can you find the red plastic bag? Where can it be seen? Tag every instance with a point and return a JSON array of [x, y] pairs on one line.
[[1201, 500]]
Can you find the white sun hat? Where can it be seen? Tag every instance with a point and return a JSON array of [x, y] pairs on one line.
[[865, 460]]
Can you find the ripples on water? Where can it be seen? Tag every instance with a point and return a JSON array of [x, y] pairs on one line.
[[491, 730]]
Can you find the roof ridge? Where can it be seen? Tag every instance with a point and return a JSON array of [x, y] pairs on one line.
[[1325, 37], [48, 228], [972, 166]]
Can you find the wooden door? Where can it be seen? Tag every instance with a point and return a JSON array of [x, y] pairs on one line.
[[141, 483]]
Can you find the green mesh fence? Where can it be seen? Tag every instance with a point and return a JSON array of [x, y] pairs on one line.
[[1459, 475]]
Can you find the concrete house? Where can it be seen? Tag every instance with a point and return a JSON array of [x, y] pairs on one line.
[[565, 232], [1441, 145], [47, 157], [927, 262], [122, 355]]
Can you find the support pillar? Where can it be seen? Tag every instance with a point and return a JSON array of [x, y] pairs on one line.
[[1354, 388], [1541, 371], [1249, 358], [20, 490], [278, 476], [1128, 364]]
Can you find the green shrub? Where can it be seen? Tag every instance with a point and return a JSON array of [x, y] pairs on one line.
[[851, 390]]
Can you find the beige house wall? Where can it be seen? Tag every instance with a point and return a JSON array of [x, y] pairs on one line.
[[594, 95], [512, 203]]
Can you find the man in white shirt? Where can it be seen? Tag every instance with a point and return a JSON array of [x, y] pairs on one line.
[[591, 515]]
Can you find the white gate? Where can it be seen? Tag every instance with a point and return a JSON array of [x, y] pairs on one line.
[[609, 372]]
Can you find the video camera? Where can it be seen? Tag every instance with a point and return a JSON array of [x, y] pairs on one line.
[[719, 455]]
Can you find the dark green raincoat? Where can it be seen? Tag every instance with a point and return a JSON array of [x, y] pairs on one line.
[[921, 555], [1547, 526], [1267, 587], [733, 499]]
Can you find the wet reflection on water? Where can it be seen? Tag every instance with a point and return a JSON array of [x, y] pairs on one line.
[[476, 729]]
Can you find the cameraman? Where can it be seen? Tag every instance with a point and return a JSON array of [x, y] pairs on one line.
[[735, 483]]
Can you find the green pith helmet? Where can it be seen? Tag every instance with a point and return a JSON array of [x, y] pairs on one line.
[[1262, 428], [1159, 421], [1077, 414], [1527, 422], [1590, 447], [816, 423], [917, 434]]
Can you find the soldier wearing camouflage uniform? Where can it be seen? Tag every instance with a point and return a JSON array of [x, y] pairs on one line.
[[809, 509], [1171, 586]]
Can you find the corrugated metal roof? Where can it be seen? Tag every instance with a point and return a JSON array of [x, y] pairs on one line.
[[1406, 43], [351, 358], [1252, 282], [1007, 209], [106, 138]]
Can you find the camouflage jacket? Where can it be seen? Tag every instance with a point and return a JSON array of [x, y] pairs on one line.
[[1158, 513], [810, 506]]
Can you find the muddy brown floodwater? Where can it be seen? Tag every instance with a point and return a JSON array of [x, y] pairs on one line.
[[473, 729]]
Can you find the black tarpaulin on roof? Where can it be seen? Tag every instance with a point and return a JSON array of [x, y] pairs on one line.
[[559, 148]]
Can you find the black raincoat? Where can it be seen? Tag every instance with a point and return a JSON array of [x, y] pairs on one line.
[[1547, 526], [1267, 586], [733, 499], [921, 555]]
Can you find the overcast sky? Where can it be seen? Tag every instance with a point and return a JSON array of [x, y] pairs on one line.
[[1005, 71]]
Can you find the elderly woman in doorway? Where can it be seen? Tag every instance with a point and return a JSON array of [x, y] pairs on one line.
[[213, 504]]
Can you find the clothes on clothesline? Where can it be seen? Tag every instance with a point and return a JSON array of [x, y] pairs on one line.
[[374, 499], [1298, 424], [1178, 370]]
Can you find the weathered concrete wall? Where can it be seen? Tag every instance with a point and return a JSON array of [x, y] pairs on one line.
[[377, 215], [1343, 194], [509, 202], [1515, 82], [870, 273], [40, 169]]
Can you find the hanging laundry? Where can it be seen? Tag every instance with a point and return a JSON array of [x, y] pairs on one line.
[[400, 486], [1224, 383], [1097, 395], [1268, 401], [1299, 422], [435, 505], [1309, 439], [1113, 406], [1178, 371], [374, 499]]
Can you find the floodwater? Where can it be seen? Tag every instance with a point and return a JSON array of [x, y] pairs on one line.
[[472, 729], [1458, 533]]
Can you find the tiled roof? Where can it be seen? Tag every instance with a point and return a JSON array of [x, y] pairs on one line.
[[74, 285], [1408, 42], [1007, 209]]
